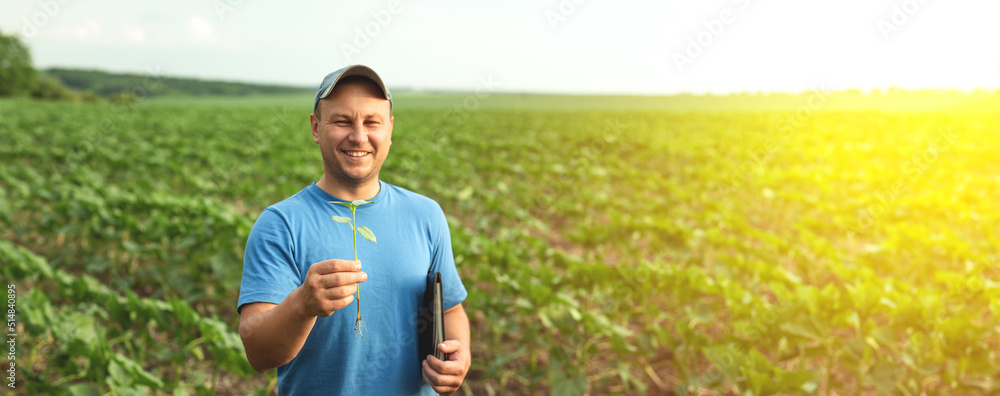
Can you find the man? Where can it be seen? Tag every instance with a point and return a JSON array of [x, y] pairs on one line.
[[296, 301]]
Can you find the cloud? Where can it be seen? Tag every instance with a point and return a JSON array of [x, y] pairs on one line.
[[200, 31], [132, 34], [90, 30], [194, 32]]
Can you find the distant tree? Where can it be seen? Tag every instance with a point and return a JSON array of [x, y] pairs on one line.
[[112, 85], [51, 88], [123, 98], [17, 76]]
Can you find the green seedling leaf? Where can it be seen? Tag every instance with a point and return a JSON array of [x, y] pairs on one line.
[[726, 359], [545, 320], [577, 316], [84, 390], [800, 330], [141, 376], [342, 219], [117, 373], [367, 233], [360, 202], [347, 204], [568, 385], [501, 361], [884, 376]]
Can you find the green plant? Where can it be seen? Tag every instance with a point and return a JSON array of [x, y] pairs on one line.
[[365, 232]]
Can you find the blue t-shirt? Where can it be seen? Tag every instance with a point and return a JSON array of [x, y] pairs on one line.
[[413, 237]]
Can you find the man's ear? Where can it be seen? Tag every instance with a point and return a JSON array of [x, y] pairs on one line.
[[314, 125]]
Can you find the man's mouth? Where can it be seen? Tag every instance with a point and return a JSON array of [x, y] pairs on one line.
[[355, 153]]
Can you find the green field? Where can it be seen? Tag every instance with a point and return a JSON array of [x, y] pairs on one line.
[[794, 245]]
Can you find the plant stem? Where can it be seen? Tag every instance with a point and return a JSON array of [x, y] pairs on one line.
[[358, 323], [354, 235]]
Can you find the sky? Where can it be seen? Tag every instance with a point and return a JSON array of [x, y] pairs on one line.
[[546, 46]]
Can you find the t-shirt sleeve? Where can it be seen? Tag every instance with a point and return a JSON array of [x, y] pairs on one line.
[[269, 270], [443, 261]]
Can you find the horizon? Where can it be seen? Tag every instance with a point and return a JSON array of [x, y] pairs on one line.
[[409, 90], [561, 47]]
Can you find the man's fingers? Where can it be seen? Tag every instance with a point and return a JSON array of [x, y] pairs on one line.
[[327, 307], [441, 382], [442, 367], [336, 293], [450, 346], [423, 372], [335, 265], [335, 280], [330, 285], [343, 279]]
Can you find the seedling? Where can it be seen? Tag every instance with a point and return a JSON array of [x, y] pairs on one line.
[[369, 235]]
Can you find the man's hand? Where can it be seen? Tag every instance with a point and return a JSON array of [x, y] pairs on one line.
[[446, 376], [329, 286]]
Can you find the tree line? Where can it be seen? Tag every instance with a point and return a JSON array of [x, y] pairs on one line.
[[19, 78]]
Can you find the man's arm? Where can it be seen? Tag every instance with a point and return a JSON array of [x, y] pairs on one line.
[[274, 334], [446, 376]]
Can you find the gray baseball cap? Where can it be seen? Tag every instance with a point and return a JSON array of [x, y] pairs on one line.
[[331, 80]]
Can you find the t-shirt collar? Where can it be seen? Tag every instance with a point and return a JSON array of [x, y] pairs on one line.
[[322, 194]]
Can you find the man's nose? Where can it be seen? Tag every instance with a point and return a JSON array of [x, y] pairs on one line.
[[358, 133]]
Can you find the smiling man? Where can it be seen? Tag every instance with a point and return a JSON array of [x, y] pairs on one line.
[[299, 275]]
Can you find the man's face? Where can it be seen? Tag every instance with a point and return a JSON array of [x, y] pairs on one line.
[[353, 127]]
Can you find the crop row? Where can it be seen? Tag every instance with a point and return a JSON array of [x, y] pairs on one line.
[[83, 332]]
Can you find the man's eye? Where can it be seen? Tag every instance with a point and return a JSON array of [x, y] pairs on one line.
[[342, 123]]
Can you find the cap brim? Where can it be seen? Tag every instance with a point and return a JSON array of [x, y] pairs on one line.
[[358, 70]]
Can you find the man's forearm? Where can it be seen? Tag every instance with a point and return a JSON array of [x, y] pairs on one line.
[[456, 327], [273, 334]]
